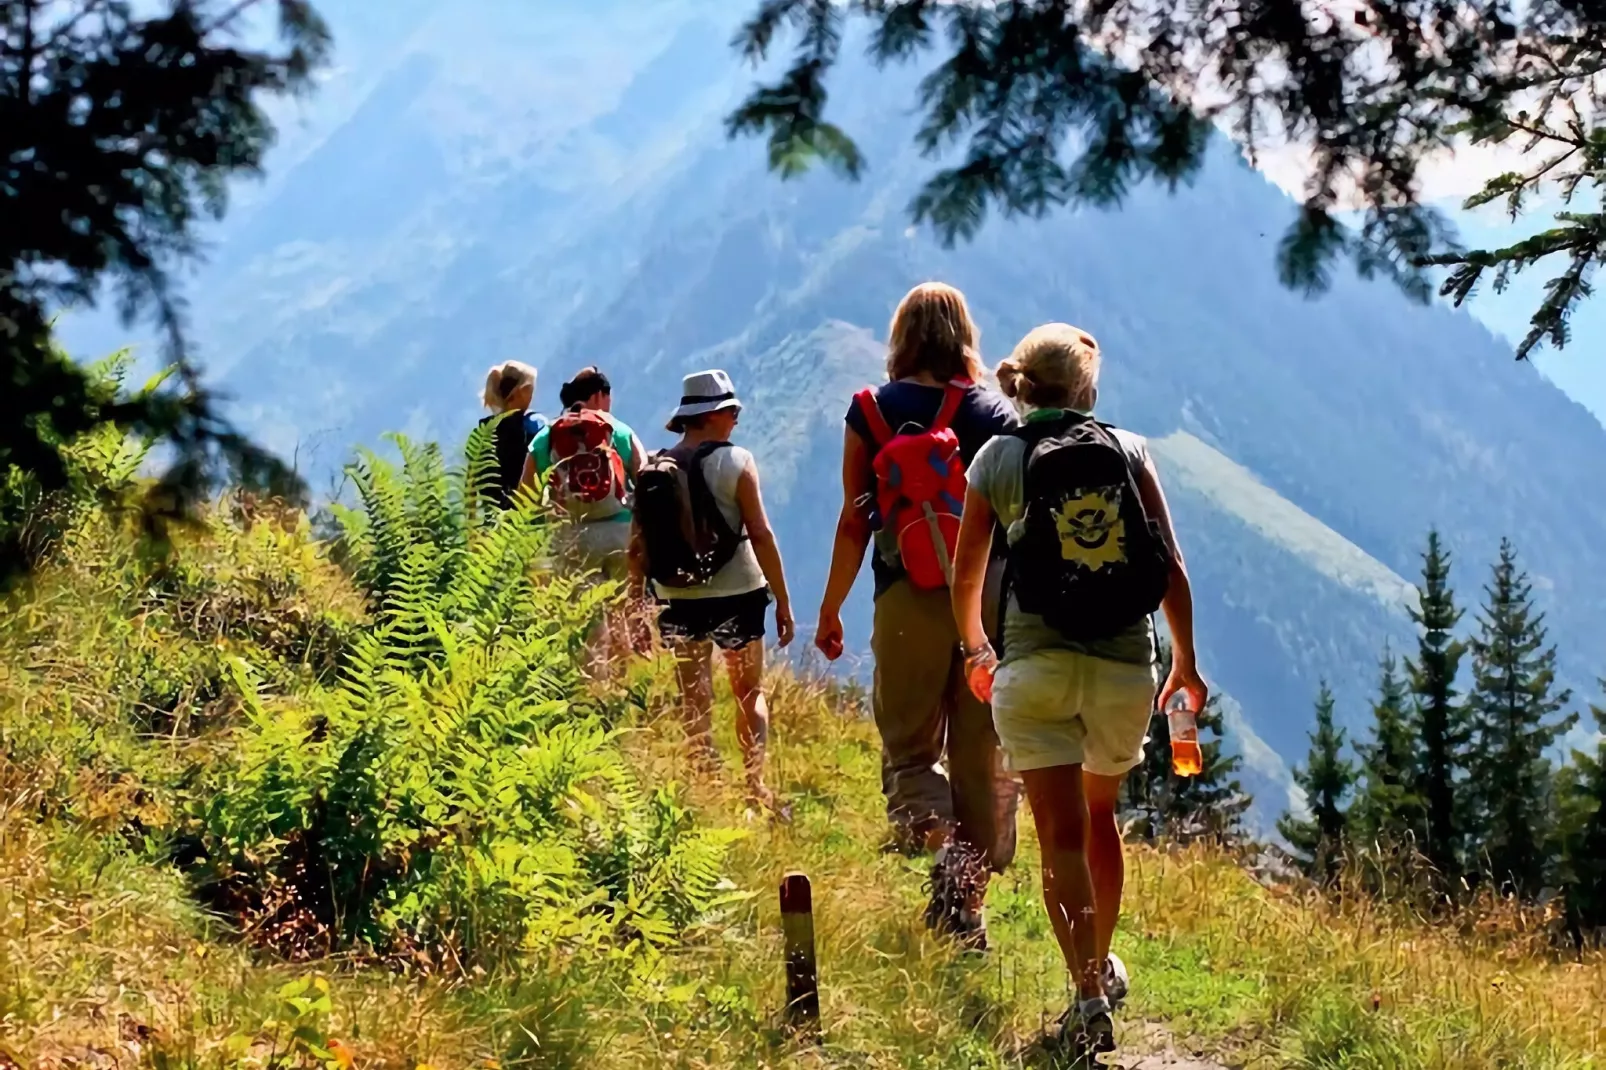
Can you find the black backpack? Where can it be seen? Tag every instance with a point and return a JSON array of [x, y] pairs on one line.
[[686, 536], [1089, 561]]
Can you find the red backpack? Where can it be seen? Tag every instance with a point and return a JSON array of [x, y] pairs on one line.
[[587, 476], [920, 480]]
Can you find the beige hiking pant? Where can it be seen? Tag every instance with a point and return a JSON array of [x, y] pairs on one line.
[[941, 764]]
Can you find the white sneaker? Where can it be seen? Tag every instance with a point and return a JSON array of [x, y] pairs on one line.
[[1116, 982], [1085, 1029]]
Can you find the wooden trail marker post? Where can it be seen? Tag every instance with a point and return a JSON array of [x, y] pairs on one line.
[[802, 977]]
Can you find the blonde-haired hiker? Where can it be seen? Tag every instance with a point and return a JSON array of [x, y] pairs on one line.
[[903, 455], [509, 390], [1092, 555], [702, 536]]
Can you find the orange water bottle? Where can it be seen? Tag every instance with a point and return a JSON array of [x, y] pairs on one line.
[[1183, 721], [980, 668]]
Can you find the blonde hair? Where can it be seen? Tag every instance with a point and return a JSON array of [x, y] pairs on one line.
[[1054, 366], [932, 332], [503, 379]]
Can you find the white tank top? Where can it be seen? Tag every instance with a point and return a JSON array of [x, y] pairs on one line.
[[722, 469]]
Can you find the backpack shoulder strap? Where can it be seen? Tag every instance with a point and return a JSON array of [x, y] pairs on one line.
[[706, 448], [953, 395], [880, 430], [702, 494]]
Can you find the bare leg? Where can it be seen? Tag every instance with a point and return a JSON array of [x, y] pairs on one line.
[[694, 673], [1060, 813], [746, 668], [1104, 858]]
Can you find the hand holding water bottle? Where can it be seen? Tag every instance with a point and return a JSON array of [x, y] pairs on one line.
[[1182, 698], [981, 665]]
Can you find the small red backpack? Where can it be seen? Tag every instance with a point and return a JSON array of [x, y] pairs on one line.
[[587, 476], [920, 479]]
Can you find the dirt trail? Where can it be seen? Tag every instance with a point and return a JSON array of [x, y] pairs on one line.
[[1154, 1048]]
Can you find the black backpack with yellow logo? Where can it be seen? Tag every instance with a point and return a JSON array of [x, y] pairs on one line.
[[1090, 560]]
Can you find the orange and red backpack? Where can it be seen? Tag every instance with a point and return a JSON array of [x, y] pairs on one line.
[[586, 480], [920, 487]]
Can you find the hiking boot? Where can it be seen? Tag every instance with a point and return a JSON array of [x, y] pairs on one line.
[[1116, 981], [1086, 1028], [955, 908]]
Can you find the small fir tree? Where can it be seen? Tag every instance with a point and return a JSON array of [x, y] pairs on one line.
[[1439, 721], [1582, 794], [1514, 705], [1327, 778], [1209, 805], [1388, 813]]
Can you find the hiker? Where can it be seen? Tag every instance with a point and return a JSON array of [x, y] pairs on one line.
[[509, 390], [1092, 555], [903, 451], [587, 460], [702, 536]]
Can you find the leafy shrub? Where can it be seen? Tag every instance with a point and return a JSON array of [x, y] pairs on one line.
[[455, 797]]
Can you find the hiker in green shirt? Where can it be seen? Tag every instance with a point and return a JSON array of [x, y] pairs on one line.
[[586, 462]]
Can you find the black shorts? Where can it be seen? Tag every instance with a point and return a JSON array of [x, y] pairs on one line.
[[731, 621]]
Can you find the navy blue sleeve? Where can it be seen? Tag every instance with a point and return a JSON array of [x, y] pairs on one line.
[[855, 419], [999, 412]]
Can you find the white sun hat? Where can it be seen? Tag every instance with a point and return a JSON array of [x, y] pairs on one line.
[[704, 392]]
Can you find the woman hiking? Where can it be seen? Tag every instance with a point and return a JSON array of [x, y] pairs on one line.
[[1092, 554], [903, 454], [509, 390], [586, 462], [701, 535]]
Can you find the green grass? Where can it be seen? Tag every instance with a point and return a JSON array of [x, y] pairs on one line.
[[108, 959], [101, 946]]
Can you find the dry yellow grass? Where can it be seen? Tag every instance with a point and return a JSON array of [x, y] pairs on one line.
[[103, 962]]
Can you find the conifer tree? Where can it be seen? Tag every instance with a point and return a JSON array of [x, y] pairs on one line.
[[1514, 705], [1583, 841], [1439, 721], [1327, 778], [121, 126], [1036, 104], [1210, 804], [1388, 813]]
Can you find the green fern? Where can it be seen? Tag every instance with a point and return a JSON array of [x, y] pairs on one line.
[[455, 790]]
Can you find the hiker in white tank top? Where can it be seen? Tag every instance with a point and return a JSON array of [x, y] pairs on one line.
[[727, 610]]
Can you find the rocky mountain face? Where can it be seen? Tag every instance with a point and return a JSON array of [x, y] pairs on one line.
[[551, 182]]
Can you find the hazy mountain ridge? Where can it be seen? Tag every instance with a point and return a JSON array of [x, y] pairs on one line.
[[456, 216]]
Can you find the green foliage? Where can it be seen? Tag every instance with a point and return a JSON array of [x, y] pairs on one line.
[[1582, 806], [1439, 721], [1513, 705], [453, 794], [97, 467], [118, 131], [1320, 839], [1132, 87], [1388, 814]]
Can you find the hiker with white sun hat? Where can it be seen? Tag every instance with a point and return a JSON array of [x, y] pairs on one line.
[[702, 538]]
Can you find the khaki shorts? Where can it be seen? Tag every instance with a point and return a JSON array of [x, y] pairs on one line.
[[1058, 707], [601, 547]]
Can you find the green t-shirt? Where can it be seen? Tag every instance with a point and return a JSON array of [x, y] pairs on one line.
[[999, 474], [625, 444]]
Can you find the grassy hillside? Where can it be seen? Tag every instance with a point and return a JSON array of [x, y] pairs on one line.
[[268, 801]]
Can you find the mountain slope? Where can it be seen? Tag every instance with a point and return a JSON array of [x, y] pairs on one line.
[[553, 183]]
